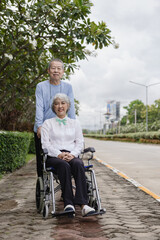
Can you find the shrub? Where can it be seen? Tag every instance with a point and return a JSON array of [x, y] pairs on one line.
[[32, 144], [14, 147], [147, 137]]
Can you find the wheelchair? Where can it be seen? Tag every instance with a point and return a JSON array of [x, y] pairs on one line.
[[48, 185]]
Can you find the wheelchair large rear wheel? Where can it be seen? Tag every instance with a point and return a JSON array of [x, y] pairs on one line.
[[92, 200], [39, 194]]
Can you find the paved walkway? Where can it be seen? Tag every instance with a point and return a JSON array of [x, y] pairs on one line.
[[140, 162], [131, 213]]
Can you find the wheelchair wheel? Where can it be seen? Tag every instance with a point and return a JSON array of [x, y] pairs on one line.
[[45, 211], [39, 194]]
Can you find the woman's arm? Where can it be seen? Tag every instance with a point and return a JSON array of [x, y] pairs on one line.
[[39, 107], [71, 112], [47, 140], [79, 141]]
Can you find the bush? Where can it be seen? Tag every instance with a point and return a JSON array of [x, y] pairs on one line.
[[32, 144], [14, 147], [131, 128], [147, 137]]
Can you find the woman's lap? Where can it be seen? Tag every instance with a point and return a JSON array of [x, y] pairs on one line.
[[64, 170]]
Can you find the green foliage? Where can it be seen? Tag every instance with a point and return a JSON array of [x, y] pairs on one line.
[[154, 112], [155, 126], [76, 104], [139, 107], [153, 117], [32, 145], [32, 32], [124, 120], [14, 147], [149, 137], [29, 157], [139, 127], [131, 128]]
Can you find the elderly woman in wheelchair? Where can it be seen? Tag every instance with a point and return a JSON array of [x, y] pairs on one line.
[[62, 142]]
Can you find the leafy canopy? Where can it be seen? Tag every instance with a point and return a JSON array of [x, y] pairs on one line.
[[31, 33], [138, 105]]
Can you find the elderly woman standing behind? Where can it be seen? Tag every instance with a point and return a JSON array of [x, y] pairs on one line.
[[63, 139]]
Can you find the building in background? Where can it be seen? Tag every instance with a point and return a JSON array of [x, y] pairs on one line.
[[112, 115]]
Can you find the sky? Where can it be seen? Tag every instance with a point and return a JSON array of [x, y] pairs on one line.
[[135, 25]]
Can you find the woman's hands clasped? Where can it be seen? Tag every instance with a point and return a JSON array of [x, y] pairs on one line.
[[66, 156]]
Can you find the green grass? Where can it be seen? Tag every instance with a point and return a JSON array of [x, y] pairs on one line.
[[29, 157]]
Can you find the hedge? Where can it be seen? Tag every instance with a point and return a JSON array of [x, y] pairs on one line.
[[14, 146], [32, 144], [144, 137]]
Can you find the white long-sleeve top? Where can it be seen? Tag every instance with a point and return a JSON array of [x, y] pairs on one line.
[[56, 136]]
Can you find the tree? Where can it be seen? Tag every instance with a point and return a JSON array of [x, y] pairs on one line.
[[31, 34], [137, 105], [124, 120], [154, 112]]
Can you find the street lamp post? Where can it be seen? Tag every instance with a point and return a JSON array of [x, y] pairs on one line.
[[146, 86], [100, 120]]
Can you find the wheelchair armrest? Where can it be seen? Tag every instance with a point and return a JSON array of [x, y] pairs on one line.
[[89, 149], [45, 151]]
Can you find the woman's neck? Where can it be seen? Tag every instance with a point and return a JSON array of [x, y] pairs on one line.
[[54, 82], [61, 117]]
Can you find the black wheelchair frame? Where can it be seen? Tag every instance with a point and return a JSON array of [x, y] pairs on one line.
[[48, 185]]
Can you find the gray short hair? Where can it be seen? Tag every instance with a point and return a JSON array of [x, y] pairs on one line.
[[63, 97], [56, 60]]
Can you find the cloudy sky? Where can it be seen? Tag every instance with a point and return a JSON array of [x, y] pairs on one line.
[[135, 25]]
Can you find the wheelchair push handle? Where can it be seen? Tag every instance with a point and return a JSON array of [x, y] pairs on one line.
[[89, 149], [45, 151]]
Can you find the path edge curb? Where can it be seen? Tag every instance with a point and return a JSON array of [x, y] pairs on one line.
[[132, 181]]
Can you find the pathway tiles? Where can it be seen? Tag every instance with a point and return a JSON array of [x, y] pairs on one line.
[[130, 213]]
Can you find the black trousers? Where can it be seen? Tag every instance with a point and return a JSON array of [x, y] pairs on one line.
[[64, 170], [39, 156]]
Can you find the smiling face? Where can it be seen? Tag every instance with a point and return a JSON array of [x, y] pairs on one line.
[[56, 72], [60, 107]]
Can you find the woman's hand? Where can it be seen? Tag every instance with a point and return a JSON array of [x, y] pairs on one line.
[[39, 132], [62, 155], [69, 157], [66, 156]]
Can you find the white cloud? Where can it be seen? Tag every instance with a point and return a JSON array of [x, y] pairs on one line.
[[135, 26]]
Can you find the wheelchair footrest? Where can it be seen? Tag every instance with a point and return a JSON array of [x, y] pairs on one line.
[[102, 211], [69, 213]]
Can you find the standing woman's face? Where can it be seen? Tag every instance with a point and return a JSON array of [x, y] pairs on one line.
[[60, 107], [56, 71]]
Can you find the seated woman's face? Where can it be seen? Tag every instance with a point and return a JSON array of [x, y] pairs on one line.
[[60, 107]]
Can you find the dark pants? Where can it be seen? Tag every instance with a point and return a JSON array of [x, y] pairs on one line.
[[39, 156], [64, 170]]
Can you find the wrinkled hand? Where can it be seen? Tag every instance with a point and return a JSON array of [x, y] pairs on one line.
[[62, 155], [39, 132], [66, 156], [69, 157]]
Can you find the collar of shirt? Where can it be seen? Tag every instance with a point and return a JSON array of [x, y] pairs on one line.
[[62, 121]]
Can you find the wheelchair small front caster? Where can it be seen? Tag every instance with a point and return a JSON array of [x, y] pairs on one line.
[[45, 211]]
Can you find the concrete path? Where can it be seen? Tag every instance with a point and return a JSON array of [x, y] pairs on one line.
[[131, 214]]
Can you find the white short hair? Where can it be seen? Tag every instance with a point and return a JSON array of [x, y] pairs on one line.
[[63, 97], [56, 60]]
